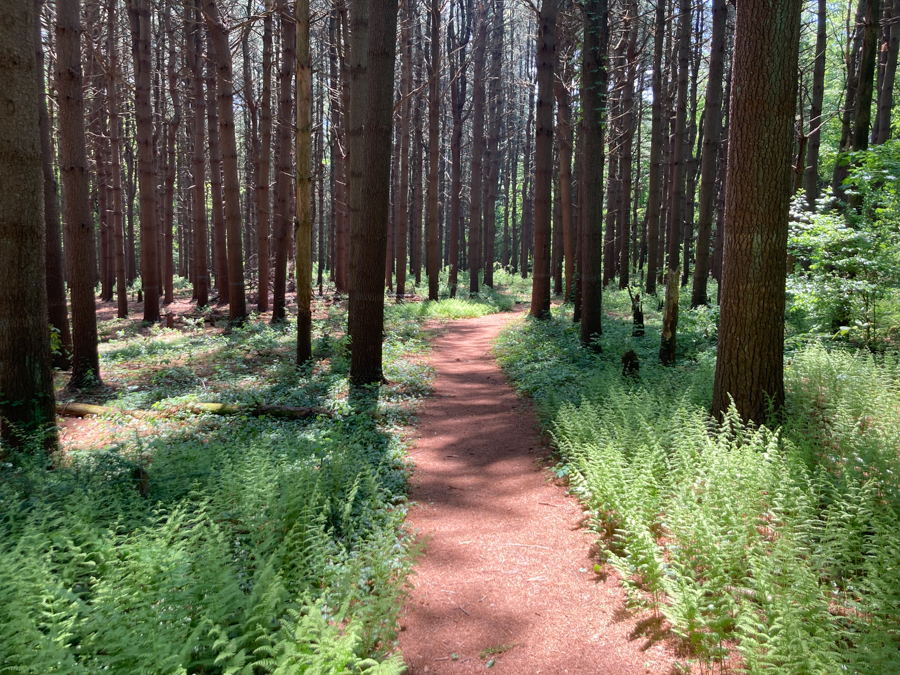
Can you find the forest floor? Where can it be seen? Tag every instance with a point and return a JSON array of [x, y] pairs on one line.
[[506, 580]]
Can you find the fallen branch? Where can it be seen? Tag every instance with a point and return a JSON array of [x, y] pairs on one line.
[[256, 410], [72, 409]]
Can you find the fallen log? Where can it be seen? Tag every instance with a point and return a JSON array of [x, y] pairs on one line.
[[72, 409]]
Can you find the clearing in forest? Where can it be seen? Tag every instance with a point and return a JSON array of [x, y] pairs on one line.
[[506, 580]]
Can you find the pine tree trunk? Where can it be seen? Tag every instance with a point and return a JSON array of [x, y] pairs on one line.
[[367, 318], [631, 29], [863, 117], [400, 226], [543, 161], [237, 307], [493, 146], [303, 221], [750, 352], [54, 272], [418, 158], [477, 172], [194, 50], [459, 31], [73, 165], [676, 197], [434, 112], [357, 164], [175, 95], [886, 92], [264, 167], [27, 406], [219, 249], [709, 158], [654, 179], [282, 219], [527, 173], [594, 82]]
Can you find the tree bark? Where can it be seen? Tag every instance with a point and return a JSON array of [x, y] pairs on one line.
[[264, 166], [630, 29], [676, 196], [543, 160], [434, 121], [886, 93], [237, 306], [475, 191], [220, 251], [198, 164], [54, 275], [863, 117], [458, 34], [401, 239], [712, 125], [750, 353], [168, 223], [367, 318], [27, 404], [594, 82], [654, 182], [79, 218], [303, 221]]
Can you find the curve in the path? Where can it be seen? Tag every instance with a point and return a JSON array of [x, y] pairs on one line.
[[506, 573]]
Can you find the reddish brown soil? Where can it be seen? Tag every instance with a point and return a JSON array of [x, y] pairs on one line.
[[506, 573]]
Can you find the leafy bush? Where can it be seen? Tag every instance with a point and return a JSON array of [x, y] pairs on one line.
[[848, 260]]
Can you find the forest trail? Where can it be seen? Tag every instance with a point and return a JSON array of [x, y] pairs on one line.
[[506, 574]]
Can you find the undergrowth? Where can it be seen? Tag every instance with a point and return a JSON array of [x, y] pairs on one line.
[[766, 550], [201, 544]]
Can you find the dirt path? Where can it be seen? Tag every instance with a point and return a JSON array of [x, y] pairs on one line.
[[506, 573]]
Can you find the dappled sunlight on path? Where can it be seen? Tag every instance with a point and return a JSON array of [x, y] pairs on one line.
[[506, 574]]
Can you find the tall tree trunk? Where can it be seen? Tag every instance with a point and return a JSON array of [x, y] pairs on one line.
[[493, 146], [198, 164], [73, 166], [676, 197], [477, 173], [237, 306], [27, 406], [220, 252], [367, 318], [458, 34], [118, 239], [358, 164], [718, 245], [631, 29], [654, 179], [811, 175], [175, 95], [434, 113], [712, 124], [750, 352], [886, 92], [282, 218], [594, 81], [543, 160], [263, 168], [527, 173], [57, 308], [863, 117], [303, 221], [400, 225]]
